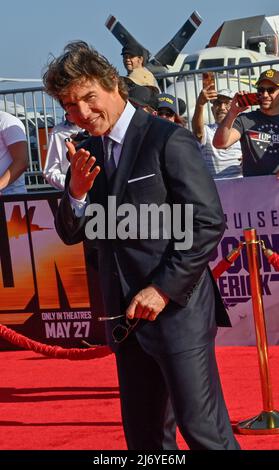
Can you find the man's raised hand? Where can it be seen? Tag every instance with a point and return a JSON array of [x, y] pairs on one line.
[[83, 172]]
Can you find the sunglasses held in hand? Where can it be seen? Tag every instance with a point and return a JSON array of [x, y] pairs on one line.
[[122, 330]]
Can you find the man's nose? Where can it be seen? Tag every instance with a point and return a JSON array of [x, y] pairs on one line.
[[84, 110]]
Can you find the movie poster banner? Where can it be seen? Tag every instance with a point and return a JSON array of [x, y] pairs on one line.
[[50, 292], [249, 202]]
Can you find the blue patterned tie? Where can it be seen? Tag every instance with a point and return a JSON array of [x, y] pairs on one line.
[[109, 162]]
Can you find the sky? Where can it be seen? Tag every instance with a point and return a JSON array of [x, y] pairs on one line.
[[32, 30]]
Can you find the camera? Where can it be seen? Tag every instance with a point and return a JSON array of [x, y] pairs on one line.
[[248, 99]]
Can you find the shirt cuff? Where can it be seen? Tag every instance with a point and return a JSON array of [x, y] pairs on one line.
[[78, 205]]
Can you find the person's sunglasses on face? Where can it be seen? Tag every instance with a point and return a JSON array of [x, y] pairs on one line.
[[270, 90], [165, 113]]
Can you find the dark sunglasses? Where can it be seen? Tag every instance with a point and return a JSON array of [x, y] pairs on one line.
[[122, 330], [269, 90], [165, 113]]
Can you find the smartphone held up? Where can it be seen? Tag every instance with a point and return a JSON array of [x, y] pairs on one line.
[[248, 99], [208, 80]]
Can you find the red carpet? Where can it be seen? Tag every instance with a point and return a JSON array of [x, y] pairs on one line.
[[52, 404]]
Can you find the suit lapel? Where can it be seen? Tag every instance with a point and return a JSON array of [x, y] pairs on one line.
[[130, 150]]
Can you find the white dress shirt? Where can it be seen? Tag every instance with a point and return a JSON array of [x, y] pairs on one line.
[[117, 134]]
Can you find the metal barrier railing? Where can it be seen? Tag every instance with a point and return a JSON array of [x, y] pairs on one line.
[[40, 113], [188, 84]]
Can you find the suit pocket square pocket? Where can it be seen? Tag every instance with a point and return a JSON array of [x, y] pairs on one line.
[[134, 180]]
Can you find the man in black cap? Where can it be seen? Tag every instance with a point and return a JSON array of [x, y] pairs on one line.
[[258, 131], [171, 108], [134, 59], [143, 97], [133, 56]]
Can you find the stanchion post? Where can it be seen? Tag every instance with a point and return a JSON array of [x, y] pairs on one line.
[[267, 422]]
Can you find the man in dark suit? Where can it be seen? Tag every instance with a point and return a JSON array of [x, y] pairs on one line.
[[162, 306]]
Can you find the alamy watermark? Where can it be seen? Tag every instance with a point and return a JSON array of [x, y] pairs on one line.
[[144, 222]]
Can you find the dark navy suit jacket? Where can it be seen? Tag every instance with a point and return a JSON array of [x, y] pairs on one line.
[[154, 146]]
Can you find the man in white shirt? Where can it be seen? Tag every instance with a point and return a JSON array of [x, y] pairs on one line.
[[222, 163], [13, 154], [57, 164]]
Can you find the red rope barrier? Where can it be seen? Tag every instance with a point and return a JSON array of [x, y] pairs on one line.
[[53, 351], [221, 267], [226, 262], [272, 258], [102, 351]]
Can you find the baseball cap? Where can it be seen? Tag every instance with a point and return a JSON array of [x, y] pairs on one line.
[[167, 101], [226, 92], [181, 106], [142, 76], [271, 75], [143, 96], [133, 49]]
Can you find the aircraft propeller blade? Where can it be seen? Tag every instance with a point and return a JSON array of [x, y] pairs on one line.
[[122, 35], [168, 54]]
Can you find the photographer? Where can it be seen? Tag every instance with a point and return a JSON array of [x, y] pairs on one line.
[[221, 163], [257, 131]]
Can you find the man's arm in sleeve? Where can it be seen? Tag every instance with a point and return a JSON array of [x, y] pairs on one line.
[[226, 134], [70, 217], [189, 182], [204, 97]]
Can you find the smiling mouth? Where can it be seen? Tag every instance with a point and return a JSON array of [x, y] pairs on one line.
[[92, 121]]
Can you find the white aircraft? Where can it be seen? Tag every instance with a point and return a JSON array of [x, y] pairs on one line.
[[28, 80], [241, 42]]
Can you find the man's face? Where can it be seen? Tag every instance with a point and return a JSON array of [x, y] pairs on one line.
[[268, 94], [92, 107], [166, 113], [132, 62], [220, 108]]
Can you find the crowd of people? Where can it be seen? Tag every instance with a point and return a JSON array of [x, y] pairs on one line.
[[237, 144]]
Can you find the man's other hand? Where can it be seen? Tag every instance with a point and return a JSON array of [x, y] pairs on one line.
[[147, 304]]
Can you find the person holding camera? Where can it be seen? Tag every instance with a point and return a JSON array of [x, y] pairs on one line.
[[257, 131], [222, 163]]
